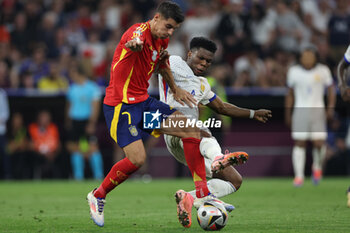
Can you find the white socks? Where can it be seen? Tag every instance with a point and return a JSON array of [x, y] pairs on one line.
[[209, 147], [318, 156], [217, 187], [298, 159]]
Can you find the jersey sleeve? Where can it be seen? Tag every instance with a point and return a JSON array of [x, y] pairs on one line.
[[209, 95], [135, 31]]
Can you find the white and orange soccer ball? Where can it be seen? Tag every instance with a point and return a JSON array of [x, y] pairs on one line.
[[212, 216]]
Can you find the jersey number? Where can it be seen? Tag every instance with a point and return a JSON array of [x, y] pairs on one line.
[[152, 67], [129, 117]]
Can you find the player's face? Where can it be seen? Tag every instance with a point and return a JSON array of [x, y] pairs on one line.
[[308, 59], [164, 28], [199, 60]]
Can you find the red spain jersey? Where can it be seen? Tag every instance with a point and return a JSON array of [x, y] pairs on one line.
[[130, 71]]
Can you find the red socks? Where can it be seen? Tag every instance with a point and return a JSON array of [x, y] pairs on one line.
[[119, 172], [195, 162]]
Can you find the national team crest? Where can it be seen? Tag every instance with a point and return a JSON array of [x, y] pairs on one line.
[[317, 77], [133, 130], [202, 87]]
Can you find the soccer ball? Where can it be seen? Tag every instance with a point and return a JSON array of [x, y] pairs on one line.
[[212, 216]]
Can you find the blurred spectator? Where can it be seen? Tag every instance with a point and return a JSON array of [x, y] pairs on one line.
[[4, 34], [262, 28], [323, 50], [93, 49], [249, 70], [4, 75], [232, 30], [201, 23], [84, 17], [57, 8], [64, 27], [33, 11], [102, 72], [8, 10], [176, 45], [37, 64], [21, 37], [320, 13], [83, 108], [289, 27], [295, 6], [74, 33], [45, 143], [100, 24], [277, 65], [18, 149], [112, 12], [47, 32], [339, 29], [5, 165], [15, 58], [144, 8], [27, 81], [128, 16], [59, 45], [54, 82]]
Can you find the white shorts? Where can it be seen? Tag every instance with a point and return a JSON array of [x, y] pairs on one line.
[[309, 124], [175, 147]]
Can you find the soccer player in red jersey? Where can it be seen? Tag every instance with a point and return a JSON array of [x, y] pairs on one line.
[[140, 52]]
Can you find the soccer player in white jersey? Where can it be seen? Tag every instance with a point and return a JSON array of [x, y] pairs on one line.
[[187, 75], [307, 82], [343, 73]]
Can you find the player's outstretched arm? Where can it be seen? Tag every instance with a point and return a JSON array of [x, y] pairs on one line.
[[180, 95], [134, 45], [231, 110]]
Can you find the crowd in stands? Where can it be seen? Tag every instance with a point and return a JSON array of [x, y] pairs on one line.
[[258, 41]]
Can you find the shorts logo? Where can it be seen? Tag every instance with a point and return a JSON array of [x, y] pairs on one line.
[[133, 130], [151, 120]]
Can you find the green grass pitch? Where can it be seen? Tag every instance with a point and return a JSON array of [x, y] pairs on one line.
[[262, 205]]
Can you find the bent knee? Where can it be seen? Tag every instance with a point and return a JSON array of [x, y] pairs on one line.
[[138, 160], [237, 181]]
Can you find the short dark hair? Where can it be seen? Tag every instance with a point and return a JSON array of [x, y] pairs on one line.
[[202, 42], [310, 48], [171, 10]]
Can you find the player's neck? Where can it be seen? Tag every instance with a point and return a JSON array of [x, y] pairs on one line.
[[152, 28]]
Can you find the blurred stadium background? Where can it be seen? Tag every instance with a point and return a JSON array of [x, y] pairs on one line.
[[258, 40]]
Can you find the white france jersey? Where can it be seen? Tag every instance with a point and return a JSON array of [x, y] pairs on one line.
[[187, 80], [309, 85]]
